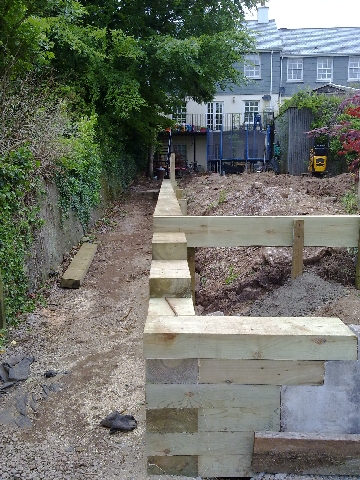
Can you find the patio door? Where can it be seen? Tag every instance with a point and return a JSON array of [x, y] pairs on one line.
[[214, 117]]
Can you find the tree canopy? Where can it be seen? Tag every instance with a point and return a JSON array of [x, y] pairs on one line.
[[130, 61]]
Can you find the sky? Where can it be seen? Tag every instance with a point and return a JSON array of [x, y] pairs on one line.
[[313, 13]]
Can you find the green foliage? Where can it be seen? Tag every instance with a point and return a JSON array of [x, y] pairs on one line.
[[79, 174], [232, 276], [19, 187], [323, 107], [222, 197], [350, 203]]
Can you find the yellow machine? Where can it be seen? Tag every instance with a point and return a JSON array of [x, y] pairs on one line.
[[318, 160]]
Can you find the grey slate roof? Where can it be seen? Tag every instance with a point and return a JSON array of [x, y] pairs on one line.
[[321, 41], [266, 34], [306, 41]]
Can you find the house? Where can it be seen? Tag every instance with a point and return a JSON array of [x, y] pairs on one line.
[[286, 61]]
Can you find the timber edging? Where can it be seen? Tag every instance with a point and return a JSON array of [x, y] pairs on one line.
[[212, 382]]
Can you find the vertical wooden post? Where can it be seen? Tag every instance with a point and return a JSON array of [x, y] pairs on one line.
[[191, 263], [183, 206], [2, 306], [172, 170], [298, 249], [357, 273]]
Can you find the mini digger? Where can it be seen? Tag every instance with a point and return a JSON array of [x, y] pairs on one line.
[[318, 160]]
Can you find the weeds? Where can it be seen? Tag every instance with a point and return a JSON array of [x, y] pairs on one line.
[[232, 276], [350, 202]]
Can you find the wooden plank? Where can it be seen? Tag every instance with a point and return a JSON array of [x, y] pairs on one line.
[[357, 272], [172, 371], [265, 338], [167, 206], [306, 453], [267, 231], [225, 466], [212, 396], [78, 268], [261, 372], [169, 246], [172, 170], [171, 306], [240, 419], [169, 278], [191, 263], [2, 305], [202, 443], [183, 205], [172, 420], [179, 192], [298, 249], [185, 465]]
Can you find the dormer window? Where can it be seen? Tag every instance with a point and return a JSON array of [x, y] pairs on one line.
[[252, 67]]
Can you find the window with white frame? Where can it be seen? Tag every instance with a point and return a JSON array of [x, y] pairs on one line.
[[294, 69], [324, 69], [252, 68], [180, 150], [251, 109], [214, 117], [179, 114], [354, 69]]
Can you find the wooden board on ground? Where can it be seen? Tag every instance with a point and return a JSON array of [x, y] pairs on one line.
[[261, 372], [232, 231], [264, 338], [78, 268], [306, 453]]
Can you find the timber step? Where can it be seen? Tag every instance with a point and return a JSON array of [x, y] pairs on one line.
[[171, 306], [169, 246], [79, 266], [169, 278], [261, 338], [306, 453]]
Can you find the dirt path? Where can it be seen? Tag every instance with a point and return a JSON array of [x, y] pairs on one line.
[[95, 335], [92, 337]]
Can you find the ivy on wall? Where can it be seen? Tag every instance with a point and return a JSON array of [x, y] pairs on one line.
[[78, 176], [19, 189]]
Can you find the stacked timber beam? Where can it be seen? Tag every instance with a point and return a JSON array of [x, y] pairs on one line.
[[213, 382]]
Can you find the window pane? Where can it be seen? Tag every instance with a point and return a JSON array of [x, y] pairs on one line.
[[251, 108], [179, 114], [215, 115], [180, 150], [324, 69], [294, 69], [354, 68], [252, 66]]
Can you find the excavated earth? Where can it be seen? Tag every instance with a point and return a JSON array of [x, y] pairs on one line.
[[90, 339]]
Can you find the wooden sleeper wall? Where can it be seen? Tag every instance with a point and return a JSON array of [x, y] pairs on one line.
[[211, 382]]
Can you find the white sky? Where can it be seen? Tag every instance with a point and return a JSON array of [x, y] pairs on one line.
[[313, 13]]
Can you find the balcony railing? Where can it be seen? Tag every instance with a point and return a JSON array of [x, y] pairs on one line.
[[193, 123]]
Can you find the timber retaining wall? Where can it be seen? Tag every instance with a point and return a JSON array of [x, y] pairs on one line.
[[212, 382]]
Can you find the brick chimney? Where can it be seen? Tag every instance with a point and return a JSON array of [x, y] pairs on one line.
[[263, 14]]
